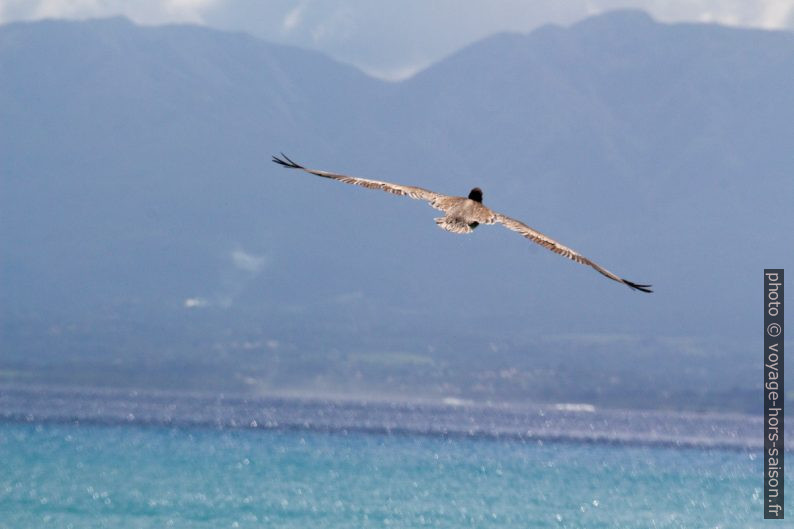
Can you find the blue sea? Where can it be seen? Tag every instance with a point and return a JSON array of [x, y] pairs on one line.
[[77, 460]]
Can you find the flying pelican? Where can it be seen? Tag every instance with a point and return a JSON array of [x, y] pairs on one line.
[[463, 214]]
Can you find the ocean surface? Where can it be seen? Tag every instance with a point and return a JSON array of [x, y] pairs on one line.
[[116, 460]]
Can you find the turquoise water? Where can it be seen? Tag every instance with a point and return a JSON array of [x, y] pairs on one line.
[[130, 476]]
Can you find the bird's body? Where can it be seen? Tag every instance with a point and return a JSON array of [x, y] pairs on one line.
[[464, 214]]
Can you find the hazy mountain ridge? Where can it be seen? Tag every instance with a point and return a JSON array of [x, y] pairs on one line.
[[137, 177]]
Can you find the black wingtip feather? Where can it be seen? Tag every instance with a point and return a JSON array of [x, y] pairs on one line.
[[286, 162], [635, 286]]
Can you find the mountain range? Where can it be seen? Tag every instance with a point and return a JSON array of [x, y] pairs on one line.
[[148, 241]]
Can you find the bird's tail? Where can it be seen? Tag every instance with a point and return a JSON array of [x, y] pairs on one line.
[[454, 225]]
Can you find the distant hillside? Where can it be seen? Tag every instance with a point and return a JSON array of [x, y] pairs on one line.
[[147, 240]]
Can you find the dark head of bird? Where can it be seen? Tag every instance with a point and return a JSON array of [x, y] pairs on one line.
[[475, 194]]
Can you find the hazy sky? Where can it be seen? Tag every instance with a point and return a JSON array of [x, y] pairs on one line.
[[394, 38]]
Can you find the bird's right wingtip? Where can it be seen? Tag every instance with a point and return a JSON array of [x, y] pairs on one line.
[[637, 286]]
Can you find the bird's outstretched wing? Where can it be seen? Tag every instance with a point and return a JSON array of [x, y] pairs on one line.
[[554, 246], [417, 193]]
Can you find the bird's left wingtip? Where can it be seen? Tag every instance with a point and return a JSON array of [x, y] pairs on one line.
[[285, 161]]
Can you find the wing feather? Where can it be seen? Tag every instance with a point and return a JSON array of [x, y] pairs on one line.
[[416, 193], [547, 242]]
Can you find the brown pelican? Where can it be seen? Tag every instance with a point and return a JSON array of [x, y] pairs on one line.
[[463, 214]]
